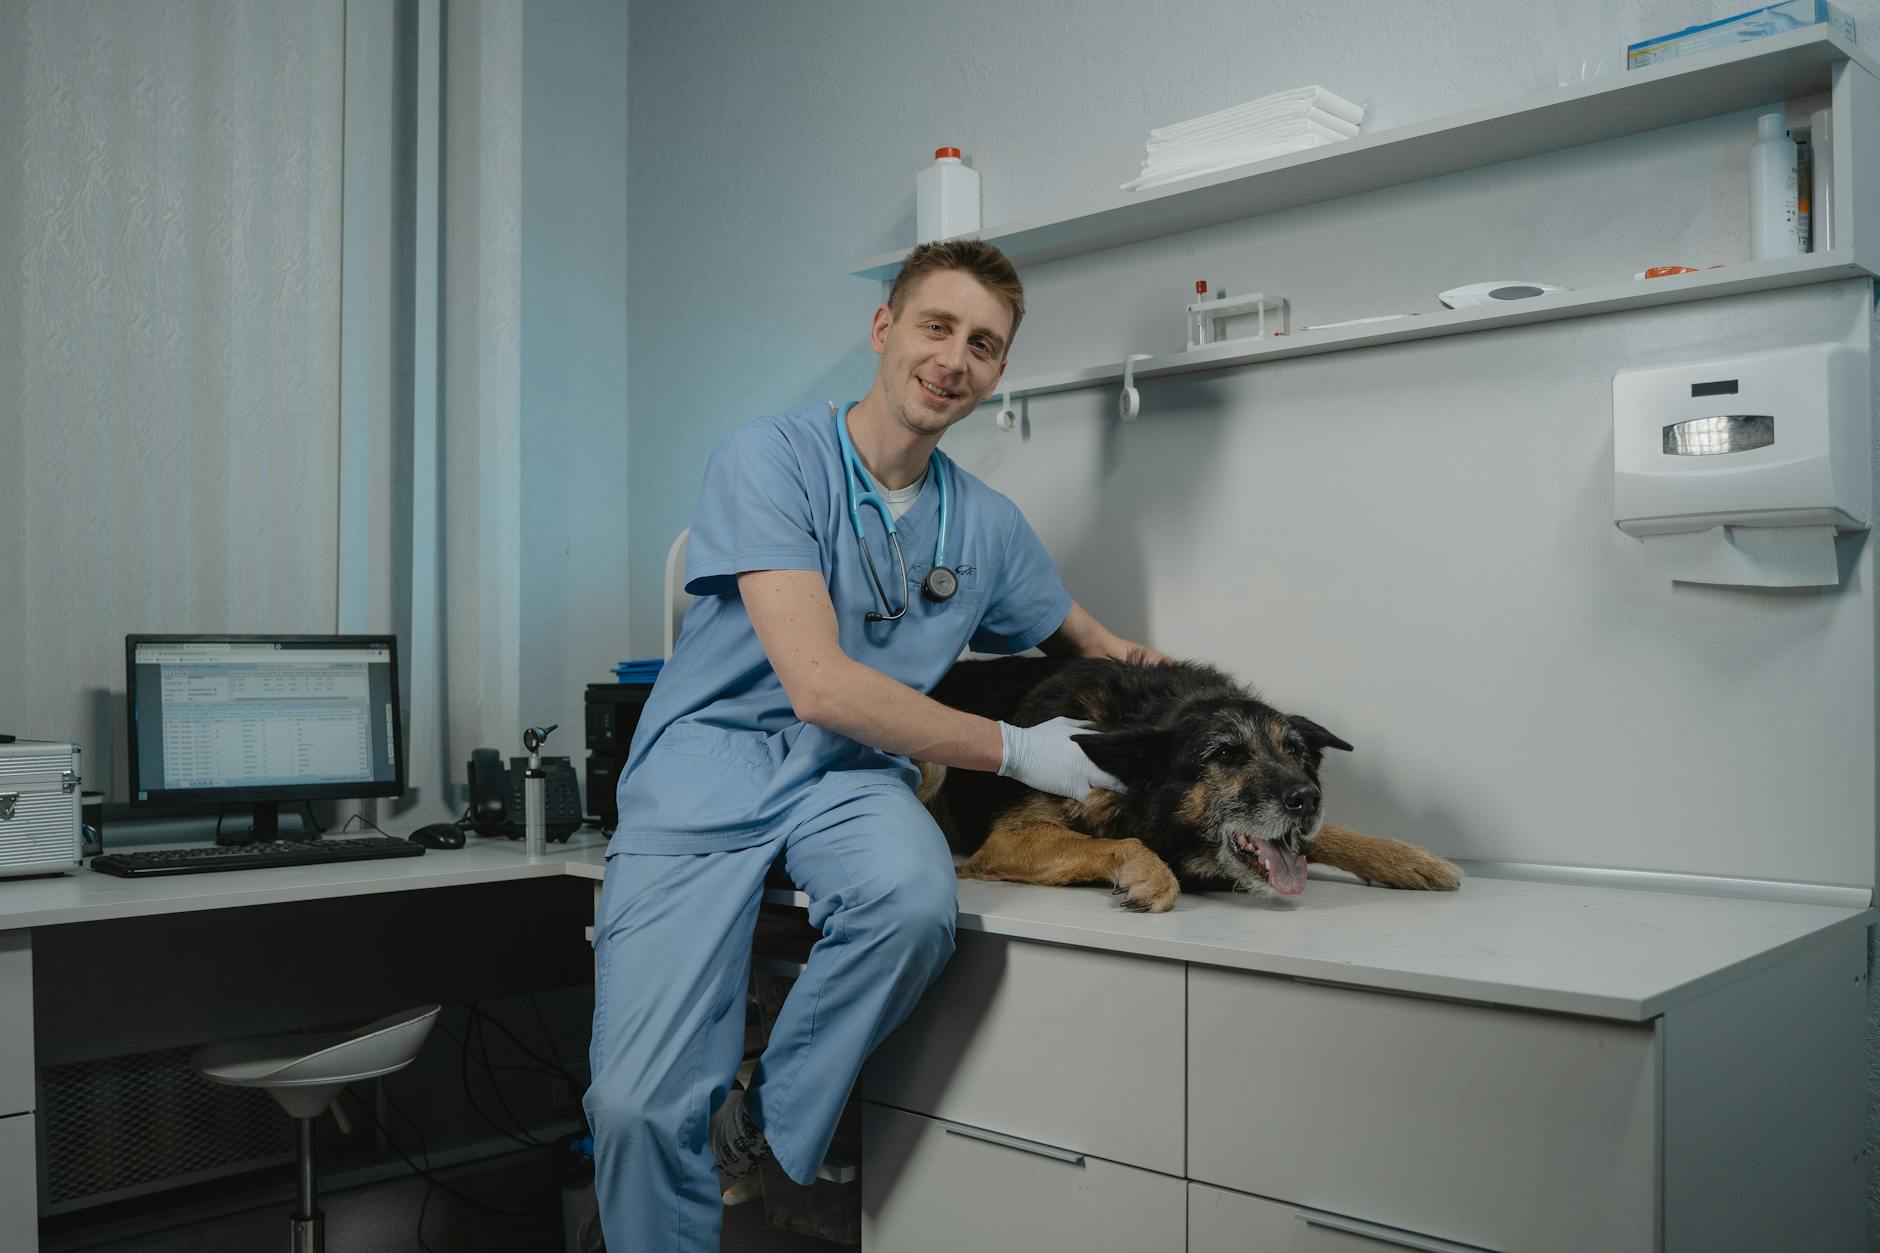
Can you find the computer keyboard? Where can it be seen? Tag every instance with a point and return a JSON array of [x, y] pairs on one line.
[[207, 857]]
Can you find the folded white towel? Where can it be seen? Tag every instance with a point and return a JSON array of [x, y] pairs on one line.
[[1259, 130], [1253, 123], [1234, 152], [1263, 153], [1314, 96], [1279, 128]]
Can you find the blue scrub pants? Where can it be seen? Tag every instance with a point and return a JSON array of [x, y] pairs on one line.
[[673, 951]]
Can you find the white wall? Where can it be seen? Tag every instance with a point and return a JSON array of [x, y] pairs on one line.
[[574, 361]]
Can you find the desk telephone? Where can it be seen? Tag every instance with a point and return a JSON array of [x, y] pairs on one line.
[[496, 795]]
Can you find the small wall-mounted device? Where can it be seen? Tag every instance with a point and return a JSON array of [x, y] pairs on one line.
[[1767, 439]]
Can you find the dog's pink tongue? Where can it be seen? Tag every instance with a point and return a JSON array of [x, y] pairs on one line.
[[1285, 869]]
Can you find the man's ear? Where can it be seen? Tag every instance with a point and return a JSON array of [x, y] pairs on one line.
[[878, 329], [1127, 754], [1317, 736]]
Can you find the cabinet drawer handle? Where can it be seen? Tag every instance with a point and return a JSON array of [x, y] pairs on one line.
[[1388, 1235], [1013, 1142]]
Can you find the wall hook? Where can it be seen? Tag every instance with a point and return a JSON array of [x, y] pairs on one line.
[[1008, 416], [1129, 403]]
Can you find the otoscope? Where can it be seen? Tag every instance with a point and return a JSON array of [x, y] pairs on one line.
[[534, 793]]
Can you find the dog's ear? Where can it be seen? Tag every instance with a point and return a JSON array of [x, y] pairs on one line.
[[1317, 736], [1126, 754]]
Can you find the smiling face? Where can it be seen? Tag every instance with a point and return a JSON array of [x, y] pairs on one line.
[[942, 353]]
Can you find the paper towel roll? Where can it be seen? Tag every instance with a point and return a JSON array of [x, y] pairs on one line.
[[1747, 556]]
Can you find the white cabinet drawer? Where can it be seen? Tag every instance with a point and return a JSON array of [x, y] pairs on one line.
[[19, 1185], [1227, 1222], [1058, 1045], [1489, 1127], [934, 1187], [16, 1022]]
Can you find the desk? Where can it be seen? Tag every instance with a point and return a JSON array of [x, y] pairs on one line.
[[57, 931], [1698, 1061]]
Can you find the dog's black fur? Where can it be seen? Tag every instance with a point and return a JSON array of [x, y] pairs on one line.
[[1221, 788]]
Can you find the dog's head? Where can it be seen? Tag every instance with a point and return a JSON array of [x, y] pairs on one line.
[[1240, 776]]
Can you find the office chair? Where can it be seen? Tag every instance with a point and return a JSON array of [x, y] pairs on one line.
[[304, 1073]]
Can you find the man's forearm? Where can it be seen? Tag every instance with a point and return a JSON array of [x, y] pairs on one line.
[[866, 705], [1083, 636]]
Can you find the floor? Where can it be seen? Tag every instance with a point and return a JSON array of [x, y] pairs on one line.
[[383, 1218]]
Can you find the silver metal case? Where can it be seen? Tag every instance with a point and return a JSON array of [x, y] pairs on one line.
[[40, 801]]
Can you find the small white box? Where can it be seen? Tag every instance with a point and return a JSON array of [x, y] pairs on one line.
[[1763, 440], [40, 804], [1771, 19]]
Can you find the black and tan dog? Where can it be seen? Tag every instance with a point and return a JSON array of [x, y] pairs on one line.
[[1222, 789]]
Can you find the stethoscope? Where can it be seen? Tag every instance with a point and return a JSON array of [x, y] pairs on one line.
[[940, 583]]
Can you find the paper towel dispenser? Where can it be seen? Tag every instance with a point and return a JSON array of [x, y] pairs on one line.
[[1769, 439]]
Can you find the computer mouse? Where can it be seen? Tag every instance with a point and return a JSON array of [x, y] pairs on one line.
[[438, 835]]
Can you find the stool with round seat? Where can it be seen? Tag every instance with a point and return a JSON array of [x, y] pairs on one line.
[[305, 1073]]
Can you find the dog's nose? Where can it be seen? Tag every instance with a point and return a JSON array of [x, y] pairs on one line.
[[1300, 798]]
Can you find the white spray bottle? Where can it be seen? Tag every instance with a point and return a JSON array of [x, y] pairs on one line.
[[1774, 215]]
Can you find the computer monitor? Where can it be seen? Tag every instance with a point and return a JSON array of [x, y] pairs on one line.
[[263, 720]]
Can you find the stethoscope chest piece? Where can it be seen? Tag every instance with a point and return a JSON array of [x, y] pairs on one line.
[[941, 583]]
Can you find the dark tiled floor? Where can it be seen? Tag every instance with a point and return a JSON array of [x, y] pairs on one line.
[[383, 1218]]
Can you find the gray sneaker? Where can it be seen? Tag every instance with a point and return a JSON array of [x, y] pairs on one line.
[[738, 1145]]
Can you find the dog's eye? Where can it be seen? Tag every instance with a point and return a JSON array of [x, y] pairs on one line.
[[1221, 753]]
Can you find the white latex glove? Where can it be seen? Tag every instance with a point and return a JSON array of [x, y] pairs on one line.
[[1047, 758]]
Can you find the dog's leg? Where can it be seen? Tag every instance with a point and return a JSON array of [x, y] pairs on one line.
[[932, 775], [1391, 863], [1029, 845]]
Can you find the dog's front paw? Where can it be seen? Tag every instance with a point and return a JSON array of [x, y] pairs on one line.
[[1147, 884], [1401, 865]]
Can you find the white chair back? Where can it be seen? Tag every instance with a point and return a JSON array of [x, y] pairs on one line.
[[677, 599]]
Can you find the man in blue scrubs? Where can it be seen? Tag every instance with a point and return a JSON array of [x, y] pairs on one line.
[[780, 731]]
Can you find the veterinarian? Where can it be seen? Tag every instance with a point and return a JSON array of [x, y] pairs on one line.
[[780, 732]]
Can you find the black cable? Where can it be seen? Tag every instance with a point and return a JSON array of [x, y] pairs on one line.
[[476, 1020], [355, 818], [470, 1096], [555, 1066], [424, 1151], [576, 1088], [430, 1177]]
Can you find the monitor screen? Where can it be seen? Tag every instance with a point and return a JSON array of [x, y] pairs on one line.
[[262, 719]]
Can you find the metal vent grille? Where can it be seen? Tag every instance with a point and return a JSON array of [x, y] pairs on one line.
[[128, 1125]]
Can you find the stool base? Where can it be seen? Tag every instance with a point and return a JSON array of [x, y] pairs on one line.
[[308, 1235]]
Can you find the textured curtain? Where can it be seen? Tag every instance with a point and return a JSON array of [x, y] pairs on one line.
[[169, 339]]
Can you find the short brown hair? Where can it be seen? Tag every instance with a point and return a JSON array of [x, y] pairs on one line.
[[974, 257]]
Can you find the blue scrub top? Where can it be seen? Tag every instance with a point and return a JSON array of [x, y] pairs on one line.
[[720, 756]]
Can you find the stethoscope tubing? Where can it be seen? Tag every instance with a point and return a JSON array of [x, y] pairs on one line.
[[851, 472]]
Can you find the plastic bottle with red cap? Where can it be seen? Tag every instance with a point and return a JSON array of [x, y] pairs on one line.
[[946, 198]]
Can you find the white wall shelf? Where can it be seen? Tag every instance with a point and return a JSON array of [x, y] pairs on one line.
[[1781, 67], [1750, 276]]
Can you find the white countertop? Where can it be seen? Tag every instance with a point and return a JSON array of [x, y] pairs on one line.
[[87, 895], [1599, 951]]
